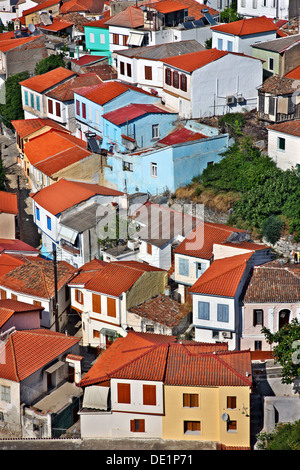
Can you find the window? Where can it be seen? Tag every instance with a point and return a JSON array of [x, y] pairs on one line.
[[155, 131], [229, 46], [102, 38], [31, 100], [149, 395], [258, 317], [271, 63], [137, 425], [57, 106], [148, 72], [231, 426], [129, 70], [37, 213], [183, 267], [168, 76], [37, 303], [264, 3], [257, 345], [127, 166], [190, 400], [272, 106], [78, 107], [14, 297], [281, 143], [223, 313], [153, 167], [37, 98], [220, 44], [122, 68], [203, 310], [149, 249], [115, 39], [261, 103], [175, 79], [111, 307], [96, 334], [192, 427], [149, 329], [84, 110], [78, 296], [183, 85], [50, 106], [200, 268], [2, 294], [231, 403], [123, 393], [254, 4], [26, 97], [125, 40], [5, 393], [243, 3], [96, 303], [92, 37], [48, 223]]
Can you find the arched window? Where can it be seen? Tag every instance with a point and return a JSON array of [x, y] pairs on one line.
[[284, 318]]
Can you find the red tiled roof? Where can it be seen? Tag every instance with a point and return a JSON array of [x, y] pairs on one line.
[[28, 351], [87, 272], [35, 277], [57, 25], [40, 83], [87, 59], [25, 127], [64, 194], [142, 356], [15, 245], [199, 243], [99, 23], [131, 17], [132, 111], [223, 276], [181, 135], [9, 44], [194, 60], [247, 26], [9, 307], [245, 245], [288, 127], [295, 73], [166, 6], [41, 6], [106, 92], [8, 203], [91, 6], [65, 91], [8, 262], [194, 7]]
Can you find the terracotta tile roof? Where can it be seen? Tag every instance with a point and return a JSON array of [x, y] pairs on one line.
[[87, 59], [91, 6], [288, 127], [131, 17], [194, 7], [8, 203], [104, 71], [55, 150], [87, 272], [25, 127], [9, 44], [166, 6], [223, 276], [142, 356], [131, 112], [64, 194], [57, 25], [246, 245], [40, 6], [295, 73], [274, 283], [8, 262], [118, 277], [279, 85], [76, 18], [65, 91], [41, 83], [161, 309], [9, 307], [194, 60], [181, 135], [15, 245], [28, 351], [247, 26], [107, 91], [35, 277], [200, 242], [101, 23]]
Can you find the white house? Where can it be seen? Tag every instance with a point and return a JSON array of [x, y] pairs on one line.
[[240, 35], [284, 144], [279, 9], [211, 82]]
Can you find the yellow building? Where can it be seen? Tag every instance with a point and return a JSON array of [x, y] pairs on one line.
[[207, 396]]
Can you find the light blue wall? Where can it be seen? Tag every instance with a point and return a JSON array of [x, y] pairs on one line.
[[176, 166]]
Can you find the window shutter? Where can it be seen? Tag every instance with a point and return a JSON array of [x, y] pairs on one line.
[[203, 310], [223, 313], [132, 425], [123, 393], [96, 303], [149, 395], [111, 307], [142, 425], [50, 106]]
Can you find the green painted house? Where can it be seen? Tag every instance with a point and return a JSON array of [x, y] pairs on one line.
[[97, 37]]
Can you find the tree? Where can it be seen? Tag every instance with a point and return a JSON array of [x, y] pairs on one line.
[[271, 228], [12, 108], [286, 351], [230, 13], [286, 436], [49, 63]]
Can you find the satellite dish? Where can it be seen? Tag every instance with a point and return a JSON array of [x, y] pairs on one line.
[[117, 148], [31, 28], [225, 417]]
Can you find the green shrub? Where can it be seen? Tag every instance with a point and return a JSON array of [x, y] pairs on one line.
[[271, 228]]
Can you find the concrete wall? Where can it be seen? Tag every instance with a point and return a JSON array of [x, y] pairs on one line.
[[25, 57], [147, 286], [8, 225]]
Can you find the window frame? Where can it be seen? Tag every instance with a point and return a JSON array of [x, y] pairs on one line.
[[153, 169], [123, 393], [6, 393], [190, 400], [206, 314], [279, 141]]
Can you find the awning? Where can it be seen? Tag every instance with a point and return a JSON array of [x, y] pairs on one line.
[[135, 39], [67, 234], [95, 397], [108, 332], [55, 366]]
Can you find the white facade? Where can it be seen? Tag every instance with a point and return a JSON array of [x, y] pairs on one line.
[[269, 8], [228, 84], [284, 149], [188, 268], [240, 44]]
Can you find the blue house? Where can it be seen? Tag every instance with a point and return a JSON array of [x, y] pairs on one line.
[[97, 37], [94, 101], [168, 165], [136, 125]]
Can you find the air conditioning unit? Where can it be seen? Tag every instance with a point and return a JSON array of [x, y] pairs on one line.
[[227, 334], [240, 99], [229, 99]]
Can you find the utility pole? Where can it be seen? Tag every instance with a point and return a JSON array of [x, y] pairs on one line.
[[55, 291], [19, 208]]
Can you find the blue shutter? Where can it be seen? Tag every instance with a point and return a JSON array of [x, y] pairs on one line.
[[223, 313], [183, 267], [203, 310], [37, 103], [26, 97]]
